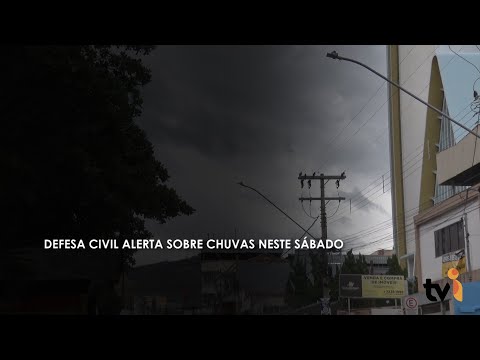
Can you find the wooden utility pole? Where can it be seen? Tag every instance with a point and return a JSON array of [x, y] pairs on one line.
[[322, 198], [323, 212]]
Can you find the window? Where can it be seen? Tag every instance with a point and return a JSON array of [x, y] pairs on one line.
[[449, 239]]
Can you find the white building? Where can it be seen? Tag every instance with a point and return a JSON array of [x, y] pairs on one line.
[[434, 163]]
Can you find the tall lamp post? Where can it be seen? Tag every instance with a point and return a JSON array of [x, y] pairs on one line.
[[334, 55]]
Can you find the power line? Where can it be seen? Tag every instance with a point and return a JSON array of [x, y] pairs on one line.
[[428, 83], [405, 170], [382, 194], [365, 105], [466, 200], [358, 113], [335, 211], [301, 237], [272, 203], [326, 162], [361, 192], [393, 93], [404, 165], [382, 240], [409, 231], [475, 66], [404, 83], [366, 199], [389, 238], [403, 214], [384, 225]]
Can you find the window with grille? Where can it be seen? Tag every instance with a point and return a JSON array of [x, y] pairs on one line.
[[450, 238]]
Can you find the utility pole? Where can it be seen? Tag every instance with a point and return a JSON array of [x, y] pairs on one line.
[[322, 198], [323, 211], [467, 245]]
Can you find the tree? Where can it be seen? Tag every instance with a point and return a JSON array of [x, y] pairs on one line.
[[298, 284], [306, 287], [333, 284], [76, 164], [319, 264], [351, 265], [394, 267], [354, 265]]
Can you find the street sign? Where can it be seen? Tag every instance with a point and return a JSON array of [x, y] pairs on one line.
[[411, 303], [372, 286]]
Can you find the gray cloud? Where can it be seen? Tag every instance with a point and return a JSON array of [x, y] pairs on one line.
[[364, 203], [220, 114]]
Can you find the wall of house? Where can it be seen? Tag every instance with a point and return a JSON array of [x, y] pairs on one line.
[[431, 267]]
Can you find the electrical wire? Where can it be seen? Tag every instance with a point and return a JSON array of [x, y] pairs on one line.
[[411, 159], [335, 211], [411, 231], [334, 147], [274, 205], [286, 251], [389, 238], [378, 242], [426, 86], [405, 109], [366, 199], [356, 115], [383, 226], [475, 66], [473, 163], [310, 216], [386, 239], [365, 105], [394, 93]]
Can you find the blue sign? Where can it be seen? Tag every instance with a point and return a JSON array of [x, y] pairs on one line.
[[471, 300]]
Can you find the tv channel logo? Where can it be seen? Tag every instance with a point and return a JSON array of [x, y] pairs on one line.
[[442, 293]]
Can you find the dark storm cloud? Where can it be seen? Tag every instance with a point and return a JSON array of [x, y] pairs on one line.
[[220, 114], [218, 100], [225, 100]]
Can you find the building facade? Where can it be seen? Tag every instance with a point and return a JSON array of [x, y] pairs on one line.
[[434, 162]]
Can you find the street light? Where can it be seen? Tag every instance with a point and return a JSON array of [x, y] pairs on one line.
[[334, 55]]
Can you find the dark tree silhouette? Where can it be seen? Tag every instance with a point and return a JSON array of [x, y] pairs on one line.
[[298, 286], [394, 267], [75, 163]]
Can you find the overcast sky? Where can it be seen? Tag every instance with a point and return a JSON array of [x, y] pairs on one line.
[[218, 115]]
